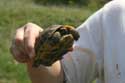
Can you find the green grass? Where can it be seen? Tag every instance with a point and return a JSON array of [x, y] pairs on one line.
[[15, 13]]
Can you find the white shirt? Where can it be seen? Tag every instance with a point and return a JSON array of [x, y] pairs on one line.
[[100, 51]]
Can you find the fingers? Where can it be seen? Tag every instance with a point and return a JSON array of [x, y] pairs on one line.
[[19, 38], [31, 32], [17, 47], [22, 46]]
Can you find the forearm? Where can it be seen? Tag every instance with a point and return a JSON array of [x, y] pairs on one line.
[[42, 74]]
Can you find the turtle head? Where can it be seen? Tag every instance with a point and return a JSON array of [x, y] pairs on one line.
[[72, 30]]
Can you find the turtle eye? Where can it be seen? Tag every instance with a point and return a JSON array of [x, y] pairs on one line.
[[63, 31]]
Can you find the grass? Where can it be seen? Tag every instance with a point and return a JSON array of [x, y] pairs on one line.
[[15, 13]]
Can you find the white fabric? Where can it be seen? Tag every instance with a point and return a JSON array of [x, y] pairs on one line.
[[100, 51]]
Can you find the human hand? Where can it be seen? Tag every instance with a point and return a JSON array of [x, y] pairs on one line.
[[22, 47]]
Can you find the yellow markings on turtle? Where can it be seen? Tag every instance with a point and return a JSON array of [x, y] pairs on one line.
[[68, 27]]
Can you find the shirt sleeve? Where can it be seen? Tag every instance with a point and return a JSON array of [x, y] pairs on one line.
[[80, 64]]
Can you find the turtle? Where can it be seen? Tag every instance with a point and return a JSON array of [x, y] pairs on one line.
[[53, 43]]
